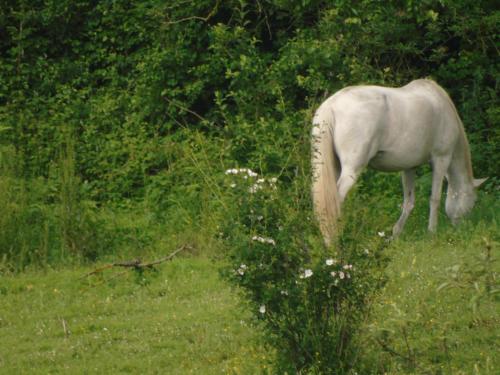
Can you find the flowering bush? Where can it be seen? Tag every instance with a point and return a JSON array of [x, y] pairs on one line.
[[308, 297]]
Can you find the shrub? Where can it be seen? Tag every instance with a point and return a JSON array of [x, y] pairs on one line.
[[309, 299]]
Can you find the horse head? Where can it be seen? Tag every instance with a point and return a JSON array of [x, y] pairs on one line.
[[460, 201]]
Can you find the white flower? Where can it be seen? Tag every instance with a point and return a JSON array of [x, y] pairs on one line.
[[260, 181], [251, 173], [241, 270], [262, 309], [232, 171], [348, 275], [273, 180], [330, 262], [284, 293], [233, 185], [381, 234], [254, 188], [264, 240], [341, 275], [333, 273], [307, 273], [348, 267], [367, 251]]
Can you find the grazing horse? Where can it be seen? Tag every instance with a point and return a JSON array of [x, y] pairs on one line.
[[390, 129]]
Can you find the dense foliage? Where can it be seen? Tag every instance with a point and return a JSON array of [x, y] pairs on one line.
[[128, 76]]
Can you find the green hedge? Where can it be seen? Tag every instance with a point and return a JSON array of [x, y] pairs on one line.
[[128, 75]]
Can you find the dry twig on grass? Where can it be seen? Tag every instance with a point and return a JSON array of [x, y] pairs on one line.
[[137, 264]]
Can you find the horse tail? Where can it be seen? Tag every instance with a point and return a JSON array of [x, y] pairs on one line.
[[325, 172]]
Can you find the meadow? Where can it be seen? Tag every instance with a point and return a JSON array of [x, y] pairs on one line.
[[437, 313]]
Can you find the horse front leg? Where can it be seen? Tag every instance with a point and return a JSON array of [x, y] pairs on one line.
[[408, 179], [439, 168]]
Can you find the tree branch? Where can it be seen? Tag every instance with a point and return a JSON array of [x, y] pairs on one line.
[[204, 19], [137, 263]]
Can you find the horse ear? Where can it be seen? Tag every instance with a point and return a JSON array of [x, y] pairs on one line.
[[478, 181]]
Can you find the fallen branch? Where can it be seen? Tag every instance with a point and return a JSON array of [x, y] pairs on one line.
[[137, 263], [409, 360]]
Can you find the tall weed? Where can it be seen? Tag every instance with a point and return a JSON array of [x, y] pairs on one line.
[[46, 220]]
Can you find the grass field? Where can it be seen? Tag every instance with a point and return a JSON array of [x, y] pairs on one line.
[[181, 319], [437, 314]]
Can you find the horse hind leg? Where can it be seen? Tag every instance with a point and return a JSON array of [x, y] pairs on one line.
[[352, 165], [348, 177], [408, 179]]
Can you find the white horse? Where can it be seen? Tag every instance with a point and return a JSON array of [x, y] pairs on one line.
[[390, 129]]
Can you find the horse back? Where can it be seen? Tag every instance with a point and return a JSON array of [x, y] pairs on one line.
[[397, 128]]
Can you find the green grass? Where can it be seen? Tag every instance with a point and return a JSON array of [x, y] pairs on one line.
[[181, 319], [438, 313]]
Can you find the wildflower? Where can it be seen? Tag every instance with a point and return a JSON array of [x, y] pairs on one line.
[[348, 275], [330, 262], [264, 240], [348, 267], [233, 185], [262, 309], [341, 275], [366, 251], [381, 234], [284, 293], [242, 269], [307, 273], [333, 273], [254, 188]]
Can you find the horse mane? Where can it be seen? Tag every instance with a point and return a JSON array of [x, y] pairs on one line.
[[463, 138]]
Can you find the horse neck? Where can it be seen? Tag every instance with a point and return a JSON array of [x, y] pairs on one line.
[[460, 176]]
